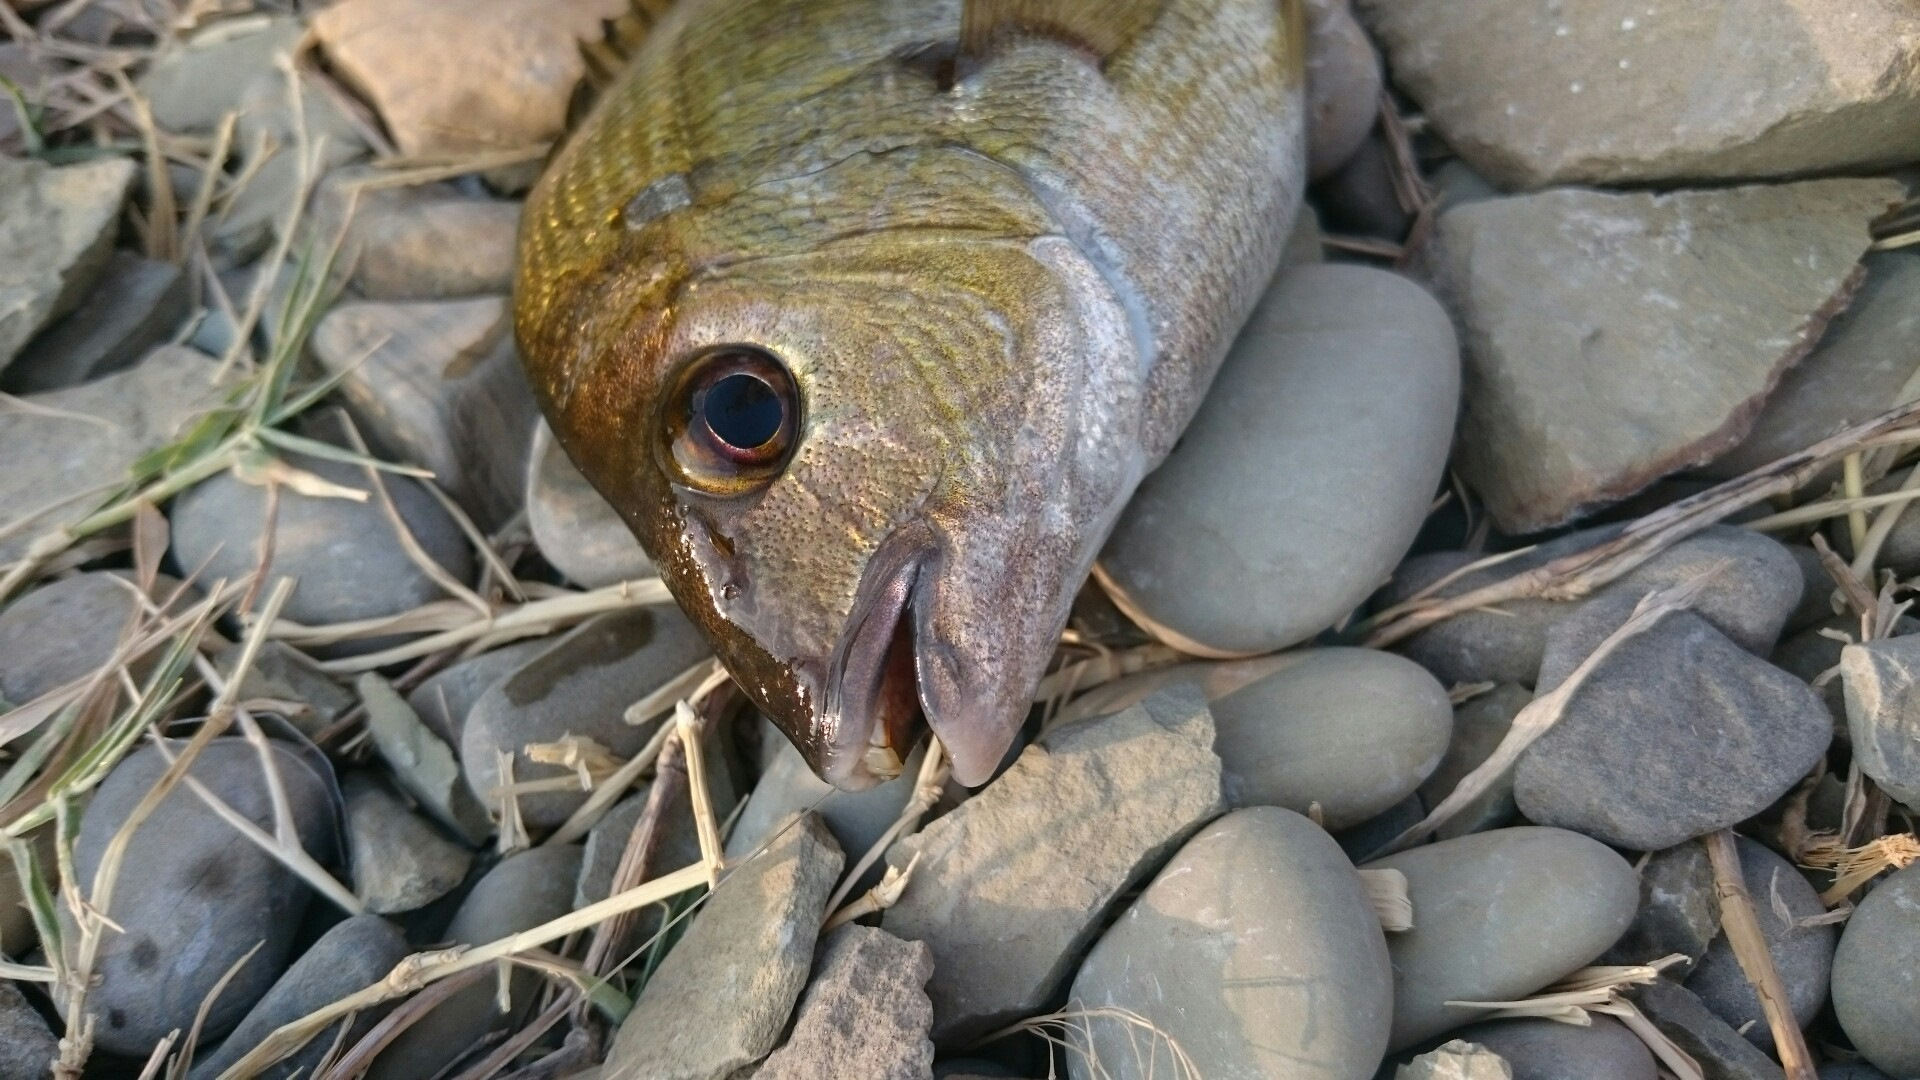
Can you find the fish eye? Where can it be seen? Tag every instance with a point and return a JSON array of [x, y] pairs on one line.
[[730, 419]]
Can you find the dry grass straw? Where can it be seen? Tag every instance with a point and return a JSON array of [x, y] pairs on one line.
[[1573, 999], [1545, 710], [1387, 892], [1742, 927], [1071, 1030], [927, 785], [1854, 867]]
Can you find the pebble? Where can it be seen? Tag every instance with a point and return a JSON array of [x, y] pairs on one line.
[[27, 1047], [1876, 975], [1675, 734], [1478, 726], [354, 954], [445, 698], [1008, 918], [423, 766], [607, 842], [580, 685], [56, 237], [344, 553], [1349, 374], [1678, 912], [1721, 1052], [1858, 371], [1343, 86], [1614, 292], [1256, 950], [134, 307], [1901, 550], [1550, 1050], [192, 895], [1803, 955], [521, 892], [311, 700], [721, 998], [426, 242], [1497, 916], [1360, 198], [865, 1013], [268, 134], [60, 632], [1456, 1060], [1533, 95], [400, 862], [194, 83], [465, 77], [1883, 712], [438, 384], [573, 526], [856, 818], [1754, 589], [1816, 592]]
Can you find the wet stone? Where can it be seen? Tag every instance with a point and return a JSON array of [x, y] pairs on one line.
[[1255, 949], [1678, 732], [400, 861], [721, 998], [1803, 955], [1876, 975], [1350, 374], [574, 527], [1563, 899], [1550, 1050], [1883, 712], [192, 894], [1719, 1049], [1007, 918], [580, 686], [1478, 726], [864, 1014], [56, 237]]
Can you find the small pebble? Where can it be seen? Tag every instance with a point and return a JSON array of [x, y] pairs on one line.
[[1456, 1060], [1678, 913], [400, 861], [1876, 975], [445, 697], [133, 308], [1719, 1049], [1479, 724], [1883, 712], [62, 631], [283, 673], [1803, 955], [1550, 1050], [429, 242], [1343, 86], [573, 526]]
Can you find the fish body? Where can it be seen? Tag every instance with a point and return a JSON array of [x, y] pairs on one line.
[[968, 298]]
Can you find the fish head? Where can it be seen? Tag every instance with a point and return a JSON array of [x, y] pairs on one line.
[[874, 471]]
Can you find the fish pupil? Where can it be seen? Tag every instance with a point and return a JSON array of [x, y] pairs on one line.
[[742, 411]]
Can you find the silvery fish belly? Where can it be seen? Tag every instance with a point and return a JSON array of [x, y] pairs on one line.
[[869, 315]]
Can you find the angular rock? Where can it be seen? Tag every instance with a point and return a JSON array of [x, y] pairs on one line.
[[1719, 1049], [56, 236], [1478, 726], [1803, 955], [192, 894], [1678, 732], [191, 85], [1343, 86], [464, 77], [424, 767], [400, 862], [864, 1014], [1883, 712], [856, 818], [135, 306], [444, 699], [1678, 912], [438, 384], [1351, 375], [27, 1047], [429, 242], [345, 555], [1536, 95], [354, 954], [1550, 1050], [607, 842], [1613, 293], [1255, 950], [1858, 371], [283, 673], [1497, 916], [269, 132], [1008, 913], [574, 527], [581, 685], [1876, 975], [1456, 1060], [722, 996], [523, 891]]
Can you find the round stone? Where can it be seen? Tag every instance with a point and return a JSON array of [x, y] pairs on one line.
[[1876, 975], [1803, 955], [1550, 1050], [1343, 86]]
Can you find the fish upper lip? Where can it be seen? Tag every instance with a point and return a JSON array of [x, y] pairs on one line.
[[855, 676]]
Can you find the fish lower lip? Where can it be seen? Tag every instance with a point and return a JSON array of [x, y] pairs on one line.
[[873, 701]]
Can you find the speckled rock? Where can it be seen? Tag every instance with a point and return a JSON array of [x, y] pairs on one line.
[[1550, 1050], [27, 1047], [1255, 949], [1585, 93], [1676, 733], [56, 235], [1883, 712], [192, 895], [354, 954], [573, 526], [1803, 955], [1349, 374], [580, 685], [1499, 915], [722, 996], [864, 1014], [438, 384], [1613, 292], [1478, 726], [1008, 918], [1876, 975]]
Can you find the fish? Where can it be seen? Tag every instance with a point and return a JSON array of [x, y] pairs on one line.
[[868, 316]]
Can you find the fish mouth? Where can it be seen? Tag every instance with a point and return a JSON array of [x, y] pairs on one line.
[[872, 716]]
